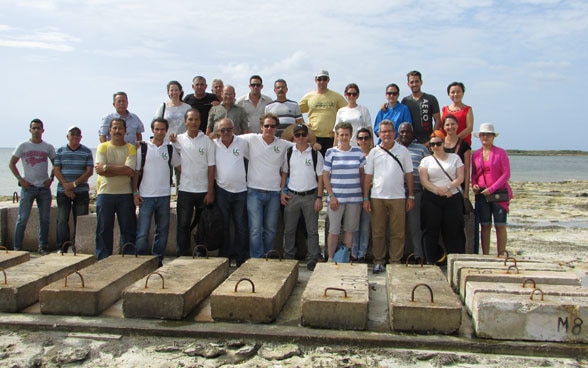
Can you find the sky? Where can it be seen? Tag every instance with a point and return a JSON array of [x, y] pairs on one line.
[[523, 62]]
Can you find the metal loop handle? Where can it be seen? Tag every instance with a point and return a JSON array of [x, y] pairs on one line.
[[245, 279], [510, 258], [509, 267], [66, 246], [4, 248], [412, 255], [273, 251], [194, 254], [5, 278], [533, 293], [15, 197], [422, 284], [155, 273], [335, 289], [79, 274], [531, 281], [504, 252], [124, 247]]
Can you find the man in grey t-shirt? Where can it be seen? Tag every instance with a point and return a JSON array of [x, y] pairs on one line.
[[424, 108], [35, 184]]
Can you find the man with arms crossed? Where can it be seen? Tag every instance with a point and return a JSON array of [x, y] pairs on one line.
[[35, 185], [388, 166], [115, 163]]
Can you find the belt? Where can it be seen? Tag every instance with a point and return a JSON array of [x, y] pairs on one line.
[[308, 192]]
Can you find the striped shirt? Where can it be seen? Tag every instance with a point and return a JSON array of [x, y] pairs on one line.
[[417, 153], [344, 167], [72, 165]]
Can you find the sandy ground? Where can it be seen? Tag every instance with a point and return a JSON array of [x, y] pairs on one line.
[[547, 220]]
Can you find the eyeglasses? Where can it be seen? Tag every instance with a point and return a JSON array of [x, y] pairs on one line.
[[322, 79], [255, 85], [298, 135], [353, 94], [269, 126], [433, 144], [392, 93], [364, 138], [226, 130], [486, 134]]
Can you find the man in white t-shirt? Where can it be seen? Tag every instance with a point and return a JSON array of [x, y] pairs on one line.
[[152, 195], [266, 155], [197, 153], [388, 166], [231, 188]]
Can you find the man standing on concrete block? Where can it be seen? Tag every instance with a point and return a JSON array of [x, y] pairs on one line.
[[115, 163], [388, 166], [73, 167], [35, 185], [152, 189], [197, 153], [254, 103], [304, 195], [231, 189], [414, 235]]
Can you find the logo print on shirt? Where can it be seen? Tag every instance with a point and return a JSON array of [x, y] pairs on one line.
[[308, 162], [201, 150], [165, 156], [236, 152], [276, 149]]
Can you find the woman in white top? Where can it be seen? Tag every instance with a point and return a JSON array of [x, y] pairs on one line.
[[441, 175], [174, 110], [358, 116]]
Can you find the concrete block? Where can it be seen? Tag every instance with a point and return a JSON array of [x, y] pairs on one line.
[[452, 258], [95, 288], [505, 265], [421, 300], [473, 288], [175, 289], [26, 279], [518, 317], [336, 296], [255, 292], [9, 258], [31, 236], [499, 276]]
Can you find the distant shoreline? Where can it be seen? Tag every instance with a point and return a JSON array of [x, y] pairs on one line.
[[516, 152]]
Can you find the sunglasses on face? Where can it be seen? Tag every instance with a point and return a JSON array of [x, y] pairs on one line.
[[269, 126], [352, 94], [433, 144], [255, 85], [298, 135], [364, 138], [226, 130], [392, 93], [322, 79]]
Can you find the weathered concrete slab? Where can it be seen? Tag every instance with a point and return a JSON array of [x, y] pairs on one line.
[[95, 288], [473, 288], [336, 296], [31, 236], [421, 300], [505, 266], [499, 276], [255, 292], [10, 258], [452, 258], [175, 289], [26, 279], [518, 317]]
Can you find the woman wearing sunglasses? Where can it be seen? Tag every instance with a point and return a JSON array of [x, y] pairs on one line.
[[358, 115], [441, 176]]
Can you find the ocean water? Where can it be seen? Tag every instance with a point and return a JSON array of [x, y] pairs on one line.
[[523, 168]]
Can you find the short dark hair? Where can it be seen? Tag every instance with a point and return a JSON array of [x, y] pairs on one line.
[[35, 121], [160, 120], [191, 110], [255, 77], [459, 84], [450, 116], [198, 77], [282, 81], [119, 119], [351, 85], [393, 85], [119, 93], [269, 115], [344, 125], [364, 130], [414, 73], [176, 83]]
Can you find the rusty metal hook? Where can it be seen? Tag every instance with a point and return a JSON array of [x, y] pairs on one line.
[[15, 197], [273, 251], [4, 248], [531, 281], [155, 273], [510, 258], [533, 293], [197, 247], [79, 274], [66, 246], [124, 247], [505, 252], [509, 267], [412, 255], [245, 279], [335, 289], [422, 284]]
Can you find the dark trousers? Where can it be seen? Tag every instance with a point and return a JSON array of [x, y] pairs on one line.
[[79, 206], [189, 208]]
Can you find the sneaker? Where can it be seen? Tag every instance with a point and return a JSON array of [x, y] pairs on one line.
[[361, 260], [43, 252], [311, 265], [378, 268], [353, 259]]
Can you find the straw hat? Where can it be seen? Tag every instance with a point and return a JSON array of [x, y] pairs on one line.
[[288, 133], [486, 128]]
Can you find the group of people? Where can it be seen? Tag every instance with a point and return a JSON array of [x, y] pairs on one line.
[[255, 157]]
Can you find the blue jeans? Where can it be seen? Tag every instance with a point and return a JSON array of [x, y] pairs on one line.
[[189, 206], [263, 209], [157, 207], [234, 207], [361, 237], [79, 206], [107, 205], [42, 196]]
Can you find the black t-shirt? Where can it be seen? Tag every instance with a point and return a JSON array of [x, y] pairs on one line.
[[203, 105]]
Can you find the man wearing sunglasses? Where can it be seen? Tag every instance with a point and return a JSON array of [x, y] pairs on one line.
[[322, 106], [254, 103]]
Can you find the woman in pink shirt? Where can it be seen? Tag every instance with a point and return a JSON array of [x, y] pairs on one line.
[[490, 175]]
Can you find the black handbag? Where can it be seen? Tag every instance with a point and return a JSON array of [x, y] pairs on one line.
[[500, 195]]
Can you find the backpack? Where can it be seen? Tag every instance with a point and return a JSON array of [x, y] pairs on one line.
[[289, 155], [211, 231], [170, 151]]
